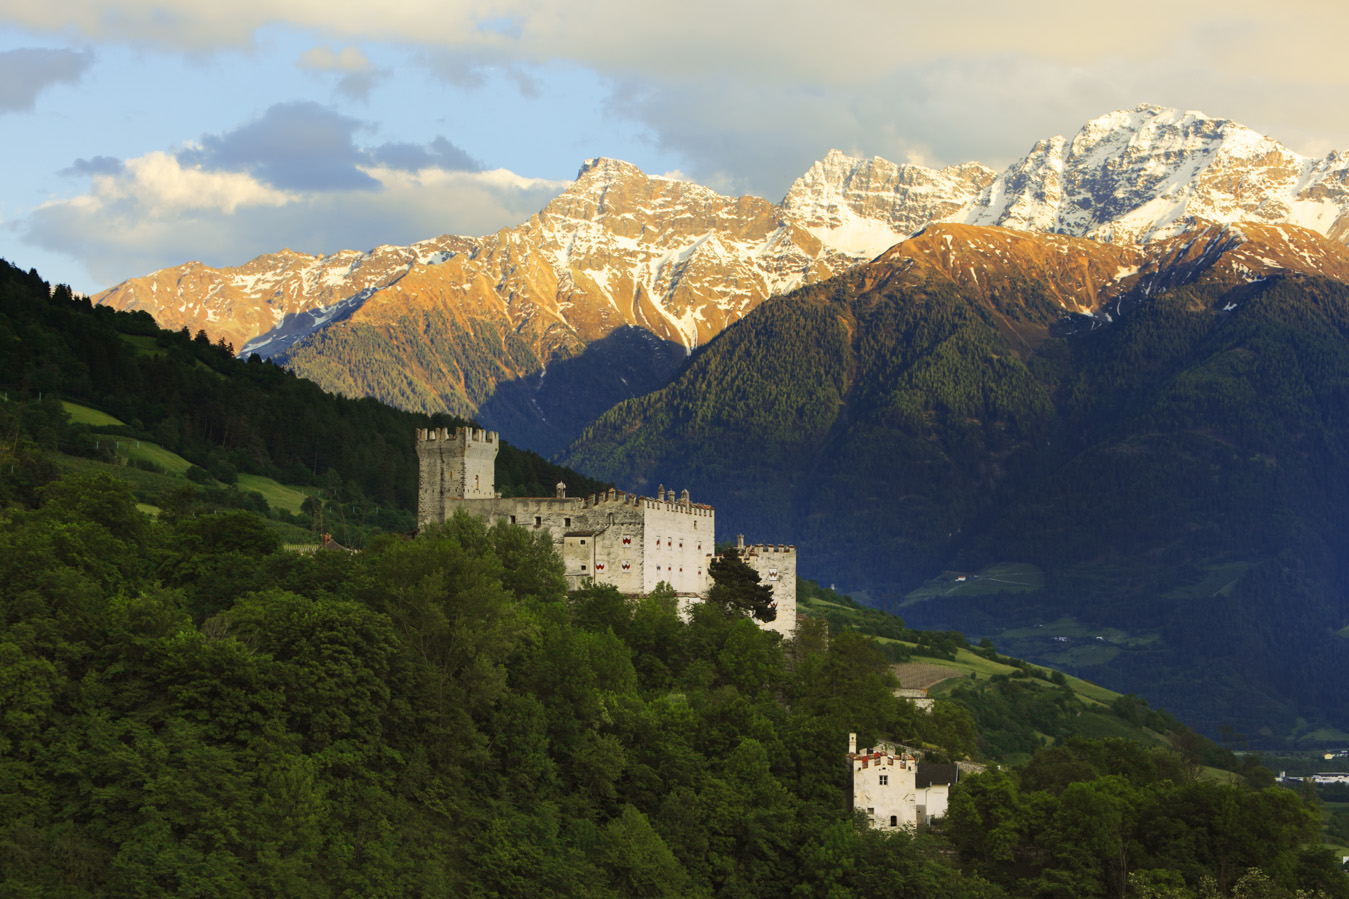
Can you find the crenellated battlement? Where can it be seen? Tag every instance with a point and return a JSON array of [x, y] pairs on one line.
[[457, 437], [765, 549]]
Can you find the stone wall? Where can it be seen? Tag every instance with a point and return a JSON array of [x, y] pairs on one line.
[[776, 565]]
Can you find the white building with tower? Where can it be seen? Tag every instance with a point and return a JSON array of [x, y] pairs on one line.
[[632, 542], [883, 786]]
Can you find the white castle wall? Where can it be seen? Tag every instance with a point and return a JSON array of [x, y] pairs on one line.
[[678, 540], [632, 542]]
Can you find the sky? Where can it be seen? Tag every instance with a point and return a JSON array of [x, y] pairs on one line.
[[143, 134]]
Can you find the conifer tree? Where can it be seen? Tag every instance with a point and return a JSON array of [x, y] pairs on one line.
[[736, 588]]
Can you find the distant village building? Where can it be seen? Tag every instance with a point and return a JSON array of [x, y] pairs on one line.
[[895, 790], [918, 696], [1329, 777], [883, 786], [632, 542]]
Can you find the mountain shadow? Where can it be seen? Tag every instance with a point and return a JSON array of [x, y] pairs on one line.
[[1156, 504], [545, 411], [295, 326]]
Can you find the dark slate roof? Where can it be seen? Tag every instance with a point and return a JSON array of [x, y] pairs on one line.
[[930, 773]]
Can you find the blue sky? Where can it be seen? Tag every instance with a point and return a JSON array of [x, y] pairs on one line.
[[146, 133]]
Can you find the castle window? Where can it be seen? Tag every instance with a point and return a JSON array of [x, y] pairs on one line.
[[583, 541], [566, 522], [626, 565], [583, 568], [885, 779], [894, 821], [681, 544], [599, 566], [512, 519], [538, 521], [627, 541]]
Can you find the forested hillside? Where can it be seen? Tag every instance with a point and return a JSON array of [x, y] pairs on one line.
[[224, 415], [1172, 483], [186, 709]]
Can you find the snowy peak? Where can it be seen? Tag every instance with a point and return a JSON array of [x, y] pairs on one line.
[[1151, 173], [864, 206]]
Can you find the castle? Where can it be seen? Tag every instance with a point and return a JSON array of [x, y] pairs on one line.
[[632, 542]]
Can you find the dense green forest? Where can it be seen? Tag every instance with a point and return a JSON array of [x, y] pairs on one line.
[[189, 709], [1174, 481]]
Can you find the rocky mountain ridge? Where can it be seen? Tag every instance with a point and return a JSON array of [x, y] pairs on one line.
[[438, 325]]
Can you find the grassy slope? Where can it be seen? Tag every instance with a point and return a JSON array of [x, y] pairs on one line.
[[1096, 720], [174, 467], [278, 495]]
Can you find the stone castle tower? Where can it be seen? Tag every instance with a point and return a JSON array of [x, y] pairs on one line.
[[454, 465]]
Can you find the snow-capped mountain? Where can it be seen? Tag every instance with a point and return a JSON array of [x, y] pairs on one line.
[[439, 324], [1150, 173], [617, 247], [866, 206], [295, 292]]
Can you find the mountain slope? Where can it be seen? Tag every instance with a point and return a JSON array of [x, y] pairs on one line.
[[916, 414], [442, 324]]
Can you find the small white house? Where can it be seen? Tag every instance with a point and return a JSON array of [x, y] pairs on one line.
[[883, 786], [932, 786]]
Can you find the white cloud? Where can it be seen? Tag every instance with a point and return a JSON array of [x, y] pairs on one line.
[[324, 59], [159, 212], [159, 186], [732, 95], [901, 78], [849, 43]]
